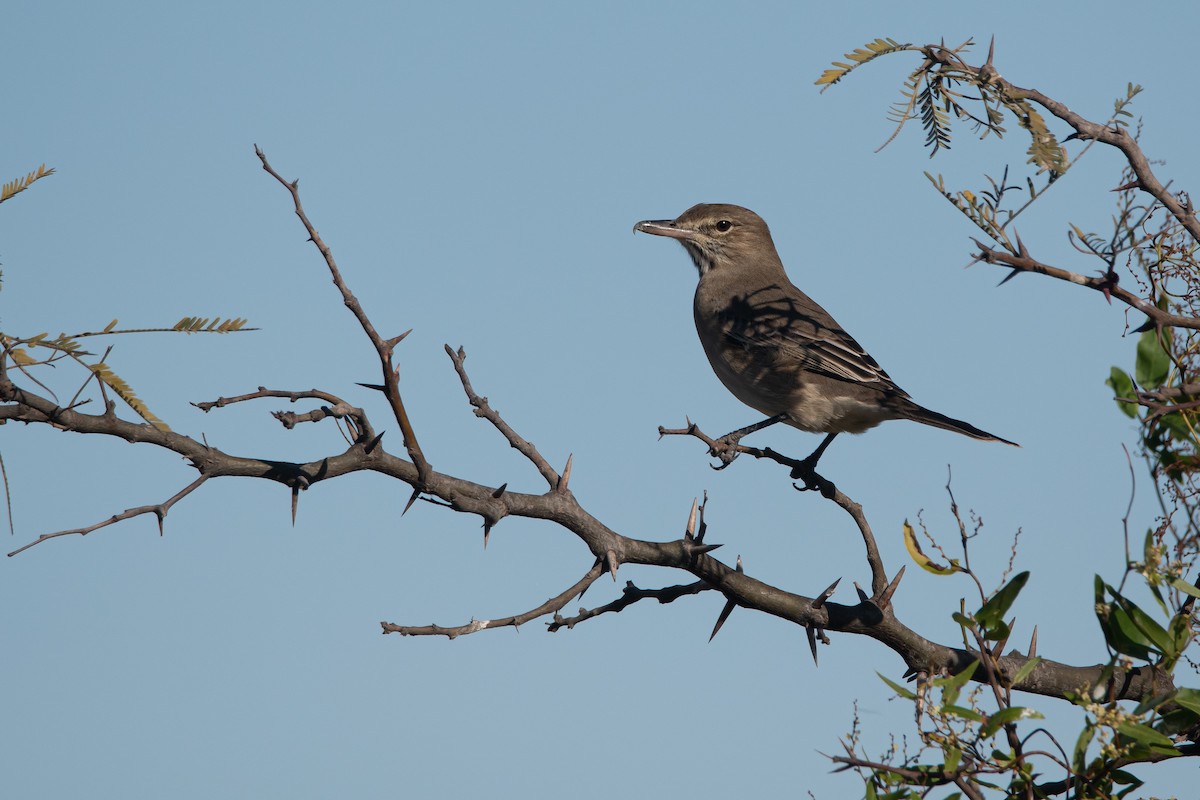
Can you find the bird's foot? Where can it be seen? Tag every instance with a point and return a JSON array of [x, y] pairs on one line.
[[806, 471], [725, 449]]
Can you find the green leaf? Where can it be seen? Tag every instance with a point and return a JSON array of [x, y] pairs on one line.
[[1153, 363], [1125, 636], [1145, 735], [963, 713], [1181, 634], [1177, 721], [1026, 670], [1175, 423], [1121, 631], [906, 693], [1122, 386], [1157, 634], [1189, 699], [1005, 716], [1123, 778], [1185, 587], [1127, 779], [953, 685], [953, 757], [963, 619], [958, 679], [1079, 758], [991, 614]]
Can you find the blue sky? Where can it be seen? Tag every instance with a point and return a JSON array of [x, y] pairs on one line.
[[476, 169]]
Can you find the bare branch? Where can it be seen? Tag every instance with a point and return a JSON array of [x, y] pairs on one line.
[[383, 348], [159, 510], [630, 595], [1105, 284], [474, 626], [879, 580], [338, 408], [483, 409]]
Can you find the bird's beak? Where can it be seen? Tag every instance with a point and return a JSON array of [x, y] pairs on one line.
[[664, 227]]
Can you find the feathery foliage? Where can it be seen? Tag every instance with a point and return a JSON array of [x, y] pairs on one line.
[[979, 741], [18, 185], [49, 350]]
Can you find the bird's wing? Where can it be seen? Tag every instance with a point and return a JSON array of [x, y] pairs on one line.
[[797, 330]]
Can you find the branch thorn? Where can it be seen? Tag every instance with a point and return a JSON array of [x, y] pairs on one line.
[[885, 599], [825, 595], [395, 340], [416, 493], [611, 558], [724, 615], [690, 530], [566, 475]]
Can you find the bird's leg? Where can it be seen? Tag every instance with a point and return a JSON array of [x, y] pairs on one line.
[[725, 448], [806, 470]]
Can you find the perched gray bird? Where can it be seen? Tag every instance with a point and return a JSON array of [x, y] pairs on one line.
[[778, 351]]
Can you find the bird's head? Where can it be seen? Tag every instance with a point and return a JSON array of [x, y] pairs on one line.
[[718, 236]]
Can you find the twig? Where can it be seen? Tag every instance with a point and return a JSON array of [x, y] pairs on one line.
[[879, 580], [482, 409], [383, 347], [629, 595], [159, 510], [338, 408], [474, 626]]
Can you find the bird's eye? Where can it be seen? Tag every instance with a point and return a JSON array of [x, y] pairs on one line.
[[724, 225]]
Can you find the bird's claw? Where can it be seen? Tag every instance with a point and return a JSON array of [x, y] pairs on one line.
[[806, 471], [724, 450]]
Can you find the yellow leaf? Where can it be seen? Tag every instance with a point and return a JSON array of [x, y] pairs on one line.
[[923, 561]]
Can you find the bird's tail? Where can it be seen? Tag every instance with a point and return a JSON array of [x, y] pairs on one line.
[[924, 415]]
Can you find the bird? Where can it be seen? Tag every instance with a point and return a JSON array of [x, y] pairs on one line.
[[774, 347]]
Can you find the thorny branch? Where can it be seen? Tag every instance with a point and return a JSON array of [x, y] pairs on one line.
[[1117, 136], [159, 510], [629, 595], [383, 347], [879, 580], [551, 606], [872, 615]]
